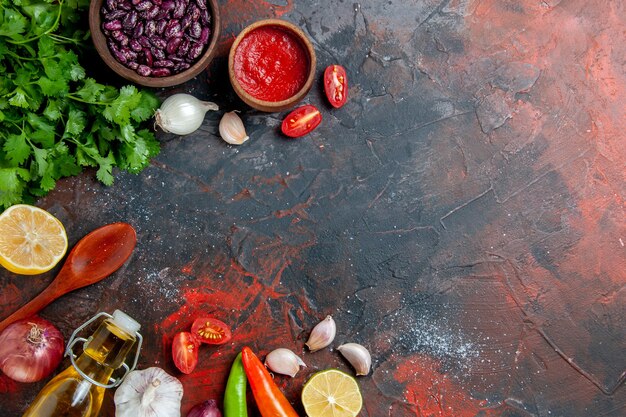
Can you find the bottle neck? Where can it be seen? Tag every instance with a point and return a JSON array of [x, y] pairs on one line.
[[95, 370]]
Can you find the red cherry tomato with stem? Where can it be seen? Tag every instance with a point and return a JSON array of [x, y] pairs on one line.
[[185, 352], [301, 121], [211, 331], [336, 85]]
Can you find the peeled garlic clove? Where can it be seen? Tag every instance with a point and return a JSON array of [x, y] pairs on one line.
[[322, 334], [358, 357], [283, 361], [232, 129]]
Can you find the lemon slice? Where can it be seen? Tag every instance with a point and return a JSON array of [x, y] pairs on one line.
[[32, 241], [332, 393]]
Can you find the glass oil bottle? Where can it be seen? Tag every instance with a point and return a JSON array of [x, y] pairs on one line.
[[79, 390]]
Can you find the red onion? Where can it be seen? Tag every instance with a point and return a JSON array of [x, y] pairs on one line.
[[30, 349], [207, 408]]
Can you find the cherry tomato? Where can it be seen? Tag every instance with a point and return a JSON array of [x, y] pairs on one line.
[[301, 121], [211, 331], [336, 85], [185, 351]]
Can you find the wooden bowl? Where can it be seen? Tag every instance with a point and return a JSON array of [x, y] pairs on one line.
[[265, 105], [99, 40]]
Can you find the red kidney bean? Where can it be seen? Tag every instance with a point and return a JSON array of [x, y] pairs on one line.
[[157, 2], [204, 36], [138, 31], [112, 25], [130, 20], [195, 29], [132, 65], [158, 42], [158, 53], [144, 41], [135, 45], [153, 12], [181, 66], [195, 51], [179, 9], [205, 17], [172, 45], [124, 5], [160, 26], [147, 57], [201, 4], [117, 53], [172, 29], [193, 12], [115, 14], [161, 72], [183, 48], [144, 70], [143, 5], [150, 28], [185, 22], [163, 14], [111, 4], [164, 63], [128, 54], [119, 36], [168, 5]]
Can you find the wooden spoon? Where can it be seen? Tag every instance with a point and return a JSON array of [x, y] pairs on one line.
[[95, 257]]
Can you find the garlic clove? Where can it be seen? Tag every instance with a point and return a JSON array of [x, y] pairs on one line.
[[284, 361], [322, 334], [358, 356], [232, 129]]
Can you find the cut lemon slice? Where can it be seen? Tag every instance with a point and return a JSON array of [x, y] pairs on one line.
[[32, 241], [332, 393]]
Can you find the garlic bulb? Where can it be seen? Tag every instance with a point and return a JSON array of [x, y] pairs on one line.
[[322, 334], [148, 393], [232, 129], [358, 357], [182, 113], [283, 361]]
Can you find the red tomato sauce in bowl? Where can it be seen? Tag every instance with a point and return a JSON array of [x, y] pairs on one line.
[[271, 64]]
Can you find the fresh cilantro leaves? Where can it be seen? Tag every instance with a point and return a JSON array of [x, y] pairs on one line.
[[54, 119]]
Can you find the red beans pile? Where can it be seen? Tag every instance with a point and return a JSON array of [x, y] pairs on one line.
[[156, 38]]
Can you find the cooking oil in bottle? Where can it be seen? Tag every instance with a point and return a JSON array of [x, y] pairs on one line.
[[79, 390]]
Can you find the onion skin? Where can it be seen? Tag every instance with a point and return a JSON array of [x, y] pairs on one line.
[[207, 408], [30, 349]]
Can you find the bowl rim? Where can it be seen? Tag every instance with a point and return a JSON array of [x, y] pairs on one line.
[[99, 41], [265, 105]]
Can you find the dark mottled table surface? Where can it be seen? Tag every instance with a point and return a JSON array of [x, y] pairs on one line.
[[462, 216]]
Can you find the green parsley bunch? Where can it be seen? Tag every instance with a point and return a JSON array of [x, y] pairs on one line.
[[54, 119]]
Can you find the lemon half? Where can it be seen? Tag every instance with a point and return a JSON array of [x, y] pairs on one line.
[[332, 393], [32, 241]]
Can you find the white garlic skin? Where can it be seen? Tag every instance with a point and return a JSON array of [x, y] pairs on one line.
[[358, 356], [151, 392], [284, 361], [322, 334], [232, 129], [182, 113]]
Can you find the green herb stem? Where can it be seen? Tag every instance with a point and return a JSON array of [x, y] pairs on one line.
[[47, 32]]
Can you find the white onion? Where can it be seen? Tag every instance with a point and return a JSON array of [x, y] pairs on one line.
[[182, 113], [30, 349]]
